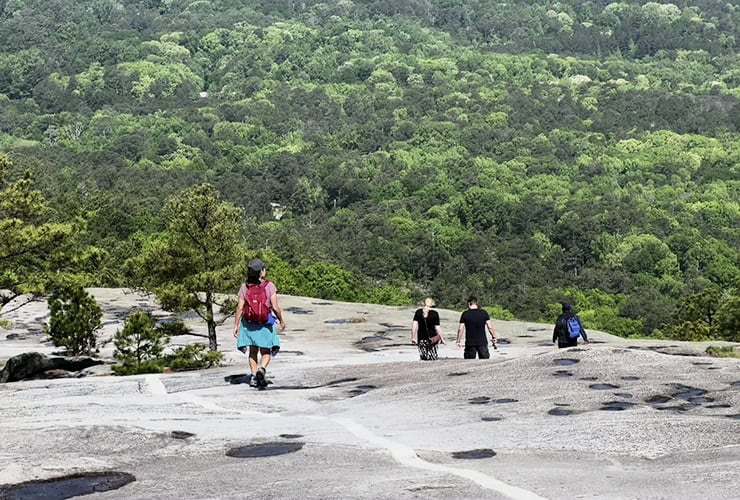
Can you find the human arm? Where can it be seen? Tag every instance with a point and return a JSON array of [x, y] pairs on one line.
[[492, 331], [238, 315], [414, 331], [438, 331], [584, 335], [460, 334], [277, 311]]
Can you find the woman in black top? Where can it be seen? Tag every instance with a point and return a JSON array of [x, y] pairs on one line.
[[426, 332]]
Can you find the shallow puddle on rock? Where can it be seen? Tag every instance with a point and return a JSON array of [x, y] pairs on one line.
[[658, 400], [68, 486], [474, 454], [617, 406], [625, 395], [291, 436], [733, 417], [589, 379], [603, 387], [566, 361], [630, 377], [506, 400], [491, 419], [181, 434], [479, 400], [700, 400], [298, 310], [264, 450], [562, 373], [687, 392], [457, 374], [560, 412]]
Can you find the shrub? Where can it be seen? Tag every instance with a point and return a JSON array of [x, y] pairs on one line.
[[139, 345], [193, 356], [723, 352], [74, 318]]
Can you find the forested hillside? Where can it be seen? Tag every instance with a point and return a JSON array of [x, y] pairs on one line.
[[526, 151]]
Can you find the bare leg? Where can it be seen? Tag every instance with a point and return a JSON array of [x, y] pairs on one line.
[[265, 357], [253, 349]]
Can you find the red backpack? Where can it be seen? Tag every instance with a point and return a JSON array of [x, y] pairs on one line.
[[257, 309]]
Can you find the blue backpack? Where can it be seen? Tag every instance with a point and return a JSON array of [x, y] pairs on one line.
[[574, 327]]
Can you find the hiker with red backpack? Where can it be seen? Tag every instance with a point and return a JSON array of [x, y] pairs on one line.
[[254, 325], [568, 328]]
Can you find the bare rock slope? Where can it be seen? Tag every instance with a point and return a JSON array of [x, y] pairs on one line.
[[351, 413]]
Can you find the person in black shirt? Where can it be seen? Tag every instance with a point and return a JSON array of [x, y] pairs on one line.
[[426, 332], [473, 325]]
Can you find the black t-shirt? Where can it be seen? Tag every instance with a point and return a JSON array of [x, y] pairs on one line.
[[475, 326], [426, 325]]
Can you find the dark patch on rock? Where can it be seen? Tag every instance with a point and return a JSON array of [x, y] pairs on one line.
[[71, 486], [479, 400], [603, 387], [687, 392], [29, 365], [14, 336], [658, 400], [560, 412], [701, 363], [360, 390], [625, 395], [374, 338], [322, 303], [342, 381], [634, 347], [392, 326], [589, 379], [720, 405], [677, 408], [700, 400], [735, 384], [492, 419], [566, 361], [298, 310], [238, 379], [617, 406], [291, 353], [474, 454], [525, 336], [291, 436], [714, 368], [534, 329], [736, 416], [561, 404], [181, 435], [503, 341], [506, 400], [562, 373], [344, 321], [264, 450], [457, 374], [630, 377]]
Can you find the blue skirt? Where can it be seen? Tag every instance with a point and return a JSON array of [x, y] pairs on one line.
[[258, 334]]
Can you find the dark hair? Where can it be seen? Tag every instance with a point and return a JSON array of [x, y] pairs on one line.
[[567, 307], [253, 277], [472, 299]]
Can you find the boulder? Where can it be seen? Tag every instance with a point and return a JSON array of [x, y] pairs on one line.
[[30, 365]]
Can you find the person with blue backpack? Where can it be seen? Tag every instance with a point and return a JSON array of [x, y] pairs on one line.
[[568, 328]]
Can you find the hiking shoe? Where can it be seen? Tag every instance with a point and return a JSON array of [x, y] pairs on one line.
[[252, 381], [260, 378]]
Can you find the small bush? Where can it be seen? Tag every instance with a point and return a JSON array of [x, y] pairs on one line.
[[193, 356], [723, 352], [74, 318], [139, 345]]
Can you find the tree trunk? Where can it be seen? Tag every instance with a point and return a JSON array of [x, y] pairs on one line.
[[212, 341]]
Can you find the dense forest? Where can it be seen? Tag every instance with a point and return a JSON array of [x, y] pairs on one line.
[[529, 152]]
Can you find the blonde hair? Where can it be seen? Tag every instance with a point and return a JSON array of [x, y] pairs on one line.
[[428, 304]]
